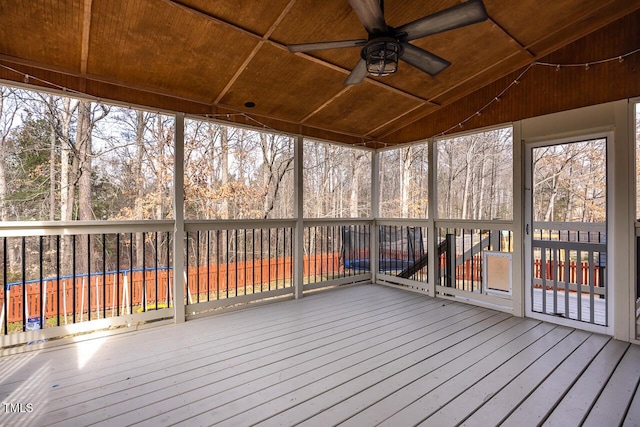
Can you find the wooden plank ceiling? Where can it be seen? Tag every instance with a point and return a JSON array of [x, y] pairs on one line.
[[211, 57]]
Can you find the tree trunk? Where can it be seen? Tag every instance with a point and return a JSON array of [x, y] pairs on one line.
[[548, 215], [405, 182], [355, 184], [52, 163], [224, 141], [160, 167], [83, 142], [3, 171], [66, 189], [139, 202]]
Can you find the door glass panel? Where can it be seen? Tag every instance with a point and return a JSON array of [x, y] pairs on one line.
[[569, 231]]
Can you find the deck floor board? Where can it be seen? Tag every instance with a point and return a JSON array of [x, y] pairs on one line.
[[357, 355]]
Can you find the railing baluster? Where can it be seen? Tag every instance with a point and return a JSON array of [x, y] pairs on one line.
[[253, 260], [579, 281], [197, 255], [144, 272], [74, 284], [592, 277], [40, 268], [117, 294], [227, 258], [155, 264], [235, 257], [104, 276], [89, 277], [168, 240], [277, 258], [130, 273], [208, 265], [5, 287]]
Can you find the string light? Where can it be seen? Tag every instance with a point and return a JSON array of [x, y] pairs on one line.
[[497, 98], [587, 66]]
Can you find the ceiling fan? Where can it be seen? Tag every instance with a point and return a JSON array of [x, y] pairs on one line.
[[386, 45]]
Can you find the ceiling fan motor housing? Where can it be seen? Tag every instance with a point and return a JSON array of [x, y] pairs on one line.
[[382, 55]]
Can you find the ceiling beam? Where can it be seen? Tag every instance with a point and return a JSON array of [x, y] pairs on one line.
[[255, 51], [206, 104], [265, 38], [329, 101], [579, 32], [521, 46], [388, 122], [86, 30]]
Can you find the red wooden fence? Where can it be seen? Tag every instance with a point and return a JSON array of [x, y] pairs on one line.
[[110, 294]]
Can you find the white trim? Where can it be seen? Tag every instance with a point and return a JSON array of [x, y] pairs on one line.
[[237, 224], [422, 287], [203, 308], [475, 298], [571, 226], [474, 131], [178, 214], [122, 321], [403, 287], [476, 224], [432, 213], [298, 198], [374, 244], [589, 327], [404, 145], [68, 228], [518, 215], [340, 144], [319, 222], [410, 222], [633, 110], [349, 280]]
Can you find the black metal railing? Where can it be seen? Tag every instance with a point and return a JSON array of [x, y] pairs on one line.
[[460, 260], [55, 280], [402, 251], [227, 263]]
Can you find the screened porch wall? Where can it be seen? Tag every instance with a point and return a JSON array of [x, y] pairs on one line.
[[615, 117]]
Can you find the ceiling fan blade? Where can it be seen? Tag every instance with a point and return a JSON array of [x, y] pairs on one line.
[[457, 16], [370, 14], [423, 60], [310, 47], [358, 73]]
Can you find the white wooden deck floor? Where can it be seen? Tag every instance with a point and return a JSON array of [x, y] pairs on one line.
[[359, 356]]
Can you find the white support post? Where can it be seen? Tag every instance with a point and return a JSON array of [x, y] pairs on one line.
[[517, 271], [621, 223], [178, 214], [632, 189], [375, 213], [298, 245], [432, 213]]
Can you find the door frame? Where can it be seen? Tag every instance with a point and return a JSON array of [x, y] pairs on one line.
[[528, 147]]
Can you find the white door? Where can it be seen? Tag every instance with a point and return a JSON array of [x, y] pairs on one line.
[[566, 232]]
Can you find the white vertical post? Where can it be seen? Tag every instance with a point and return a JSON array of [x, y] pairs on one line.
[[298, 245], [178, 215], [517, 270], [432, 213], [621, 224], [632, 194], [375, 213]]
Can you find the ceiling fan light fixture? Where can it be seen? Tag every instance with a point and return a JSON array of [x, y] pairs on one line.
[[382, 56]]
